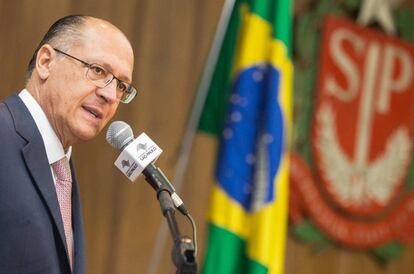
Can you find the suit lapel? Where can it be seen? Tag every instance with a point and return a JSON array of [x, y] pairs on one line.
[[35, 157], [77, 226]]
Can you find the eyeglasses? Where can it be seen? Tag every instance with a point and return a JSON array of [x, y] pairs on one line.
[[101, 77]]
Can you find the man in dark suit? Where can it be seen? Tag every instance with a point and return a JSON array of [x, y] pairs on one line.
[[78, 75]]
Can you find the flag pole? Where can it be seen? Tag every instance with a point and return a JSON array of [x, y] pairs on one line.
[[202, 92], [192, 124]]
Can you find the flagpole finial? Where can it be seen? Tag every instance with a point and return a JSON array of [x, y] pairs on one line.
[[379, 11]]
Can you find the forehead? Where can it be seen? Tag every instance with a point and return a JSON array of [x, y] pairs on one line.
[[104, 44]]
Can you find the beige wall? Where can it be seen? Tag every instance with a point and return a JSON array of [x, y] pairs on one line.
[[171, 40]]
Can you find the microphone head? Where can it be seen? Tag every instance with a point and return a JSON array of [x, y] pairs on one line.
[[119, 134]]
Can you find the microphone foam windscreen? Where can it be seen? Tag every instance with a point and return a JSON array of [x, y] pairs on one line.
[[119, 134]]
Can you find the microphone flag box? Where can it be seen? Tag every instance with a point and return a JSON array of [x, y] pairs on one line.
[[137, 156]]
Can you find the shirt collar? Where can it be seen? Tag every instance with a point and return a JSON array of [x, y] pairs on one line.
[[53, 146]]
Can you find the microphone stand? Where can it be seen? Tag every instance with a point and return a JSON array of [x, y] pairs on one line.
[[183, 249]]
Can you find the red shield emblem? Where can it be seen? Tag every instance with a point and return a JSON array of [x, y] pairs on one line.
[[362, 130], [361, 138]]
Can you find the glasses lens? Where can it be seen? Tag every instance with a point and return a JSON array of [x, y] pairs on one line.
[[102, 77], [99, 75], [128, 94]]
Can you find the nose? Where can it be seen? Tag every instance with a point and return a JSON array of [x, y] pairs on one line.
[[108, 93]]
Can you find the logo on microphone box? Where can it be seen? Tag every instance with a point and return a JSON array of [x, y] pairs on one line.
[[131, 169], [125, 163], [137, 156], [147, 151]]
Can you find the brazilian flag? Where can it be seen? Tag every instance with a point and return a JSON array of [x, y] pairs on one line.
[[249, 108]]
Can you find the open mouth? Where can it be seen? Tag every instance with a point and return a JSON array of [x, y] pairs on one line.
[[94, 111]]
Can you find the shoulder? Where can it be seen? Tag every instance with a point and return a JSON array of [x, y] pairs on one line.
[[6, 120], [9, 135]]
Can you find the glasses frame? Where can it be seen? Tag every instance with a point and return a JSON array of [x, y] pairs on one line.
[[131, 95]]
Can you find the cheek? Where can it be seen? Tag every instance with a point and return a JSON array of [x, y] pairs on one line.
[[61, 104], [111, 112], [69, 107], [66, 91], [69, 104], [76, 95]]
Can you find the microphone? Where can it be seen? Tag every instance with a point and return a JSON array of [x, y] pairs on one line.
[[137, 156]]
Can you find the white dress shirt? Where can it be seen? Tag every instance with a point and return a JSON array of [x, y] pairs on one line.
[[53, 146]]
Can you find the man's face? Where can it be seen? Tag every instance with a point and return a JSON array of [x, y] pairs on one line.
[[77, 108]]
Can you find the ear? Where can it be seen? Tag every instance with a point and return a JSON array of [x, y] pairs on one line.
[[44, 61]]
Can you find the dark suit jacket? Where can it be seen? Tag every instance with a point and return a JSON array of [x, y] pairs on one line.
[[31, 229]]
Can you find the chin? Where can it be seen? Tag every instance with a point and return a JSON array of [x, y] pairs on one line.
[[86, 134]]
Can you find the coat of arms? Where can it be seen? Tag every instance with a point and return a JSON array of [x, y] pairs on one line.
[[352, 179]]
